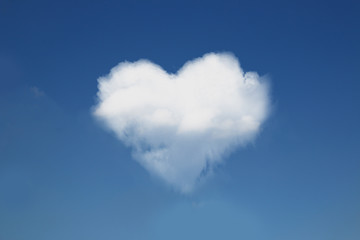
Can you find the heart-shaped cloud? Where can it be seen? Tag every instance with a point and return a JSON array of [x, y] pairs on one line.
[[181, 125]]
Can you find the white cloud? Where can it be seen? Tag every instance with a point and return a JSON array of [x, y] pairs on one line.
[[181, 125]]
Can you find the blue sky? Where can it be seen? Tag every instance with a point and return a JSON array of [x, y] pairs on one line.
[[63, 177]]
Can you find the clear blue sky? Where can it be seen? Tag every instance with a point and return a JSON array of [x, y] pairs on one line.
[[63, 177]]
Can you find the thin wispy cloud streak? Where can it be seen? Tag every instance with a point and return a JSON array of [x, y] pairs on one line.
[[180, 126]]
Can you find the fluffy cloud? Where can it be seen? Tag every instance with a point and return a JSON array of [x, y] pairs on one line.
[[181, 125]]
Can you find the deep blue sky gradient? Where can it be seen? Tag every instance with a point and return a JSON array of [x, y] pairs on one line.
[[63, 177]]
